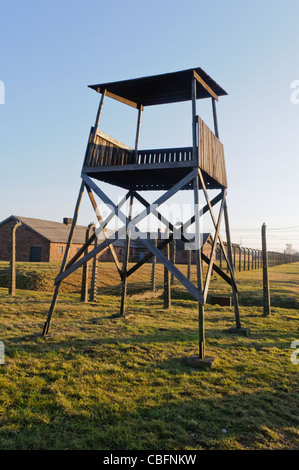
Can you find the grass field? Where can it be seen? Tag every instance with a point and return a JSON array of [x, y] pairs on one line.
[[100, 382]]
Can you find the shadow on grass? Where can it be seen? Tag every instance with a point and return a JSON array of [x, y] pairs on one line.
[[180, 420]]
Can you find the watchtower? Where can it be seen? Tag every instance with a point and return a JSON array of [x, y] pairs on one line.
[[200, 167]]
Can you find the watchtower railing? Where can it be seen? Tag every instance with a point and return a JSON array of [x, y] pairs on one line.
[[183, 154]]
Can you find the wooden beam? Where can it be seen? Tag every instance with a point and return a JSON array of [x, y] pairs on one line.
[[121, 99], [167, 195], [215, 118], [213, 252], [119, 214], [137, 133], [96, 125], [201, 319], [217, 270], [167, 287], [230, 256], [126, 261], [215, 225], [162, 244], [176, 272], [64, 261], [266, 288], [104, 229], [149, 255], [206, 87]]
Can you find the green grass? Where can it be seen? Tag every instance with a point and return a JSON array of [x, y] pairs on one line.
[[100, 382]]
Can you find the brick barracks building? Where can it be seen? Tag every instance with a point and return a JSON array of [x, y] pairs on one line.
[[45, 241]]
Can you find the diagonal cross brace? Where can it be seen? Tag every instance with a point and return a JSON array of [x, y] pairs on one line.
[[176, 272], [123, 230], [170, 266], [93, 236], [218, 236]]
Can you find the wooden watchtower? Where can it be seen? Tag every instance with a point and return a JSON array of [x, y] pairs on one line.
[[200, 167]]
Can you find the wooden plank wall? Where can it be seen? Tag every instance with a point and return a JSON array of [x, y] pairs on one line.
[[211, 154], [107, 151]]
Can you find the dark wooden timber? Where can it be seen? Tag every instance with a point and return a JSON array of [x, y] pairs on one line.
[[64, 261], [173, 257], [189, 265], [201, 326], [213, 252], [205, 86], [94, 278], [230, 257], [85, 271], [216, 225], [215, 119], [137, 133], [118, 213], [126, 259], [167, 287], [153, 275], [266, 287], [12, 270], [104, 229]]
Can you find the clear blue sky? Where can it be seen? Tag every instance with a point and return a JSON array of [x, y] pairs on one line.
[[51, 51]]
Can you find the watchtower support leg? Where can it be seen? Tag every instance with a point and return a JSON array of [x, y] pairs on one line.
[[126, 260], [167, 287], [63, 264], [201, 329], [230, 257]]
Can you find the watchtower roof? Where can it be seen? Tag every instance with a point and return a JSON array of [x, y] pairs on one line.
[[162, 89]]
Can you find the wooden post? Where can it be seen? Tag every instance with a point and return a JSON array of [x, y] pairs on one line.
[[266, 289], [199, 272], [154, 262], [12, 273], [173, 257], [234, 250], [64, 261], [240, 258], [189, 264], [230, 258], [137, 133], [167, 288], [124, 282], [201, 327], [244, 266], [85, 271], [215, 118], [94, 277]]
